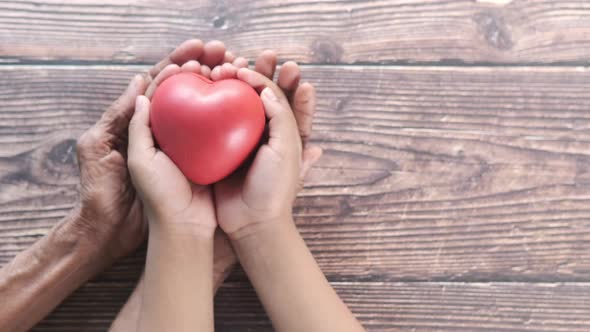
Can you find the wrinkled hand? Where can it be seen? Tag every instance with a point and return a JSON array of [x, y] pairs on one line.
[[111, 214], [265, 192], [109, 208]]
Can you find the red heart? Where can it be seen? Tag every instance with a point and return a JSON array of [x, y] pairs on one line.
[[207, 128]]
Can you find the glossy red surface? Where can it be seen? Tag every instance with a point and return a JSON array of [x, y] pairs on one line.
[[207, 128]]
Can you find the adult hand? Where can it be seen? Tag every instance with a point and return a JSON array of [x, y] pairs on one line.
[[107, 222], [109, 208]]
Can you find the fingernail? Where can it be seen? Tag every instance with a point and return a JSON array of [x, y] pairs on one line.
[[268, 93], [139, 103]]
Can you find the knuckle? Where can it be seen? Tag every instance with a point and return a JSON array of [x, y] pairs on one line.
[[84, 142]]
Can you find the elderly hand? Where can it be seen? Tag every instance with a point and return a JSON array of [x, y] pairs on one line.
[[110, 213]]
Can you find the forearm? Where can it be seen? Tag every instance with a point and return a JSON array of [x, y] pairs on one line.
[[289, 282], [41, 277], [178, 282], [223, 261], [128, 317]]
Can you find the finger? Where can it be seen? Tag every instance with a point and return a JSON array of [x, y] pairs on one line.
[[304, 106], [282, 125], [189, 50], [227, 70], [214, 52], [266, 63], [241, 62], [259, 82], [216, 73], [192, 66], [141, 142], [289, 76], [164, 74], [229, 57], [205, 70], [116, 118], [310, 156]]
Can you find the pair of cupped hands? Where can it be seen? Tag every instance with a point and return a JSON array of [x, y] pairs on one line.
[[126, 181]]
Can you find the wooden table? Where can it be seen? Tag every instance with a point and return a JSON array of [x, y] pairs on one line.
[[454, 194]]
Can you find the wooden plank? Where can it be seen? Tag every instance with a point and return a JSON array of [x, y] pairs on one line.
[[340, 31], [420, 307], [430, 173]]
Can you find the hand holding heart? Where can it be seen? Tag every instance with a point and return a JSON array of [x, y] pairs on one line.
[[207, 128], [167, 195], [266, 190]]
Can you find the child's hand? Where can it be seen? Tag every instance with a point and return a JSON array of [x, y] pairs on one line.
[[265, 194], [254, 209], [169, 198]]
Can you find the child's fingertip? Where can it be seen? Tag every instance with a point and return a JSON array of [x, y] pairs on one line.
[[241, 62], [205, 70], [243, 73], [189, 65], [171, 67], [215, 73]]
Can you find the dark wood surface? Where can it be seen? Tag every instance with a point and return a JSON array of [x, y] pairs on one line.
[[382, 306], [451, 197], [341, 31]]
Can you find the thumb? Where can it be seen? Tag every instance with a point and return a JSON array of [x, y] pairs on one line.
[[141, 143], [117, 116]]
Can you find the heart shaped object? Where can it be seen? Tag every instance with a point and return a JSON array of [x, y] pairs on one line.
[[207, 128]]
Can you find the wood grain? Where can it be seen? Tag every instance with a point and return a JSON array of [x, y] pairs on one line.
[[419, 307], [340, 31], [430, 173]]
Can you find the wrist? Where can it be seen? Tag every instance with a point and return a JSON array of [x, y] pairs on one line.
[[39, 278], [260, 228], [83, 243], [181, 229], [273, 245]]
